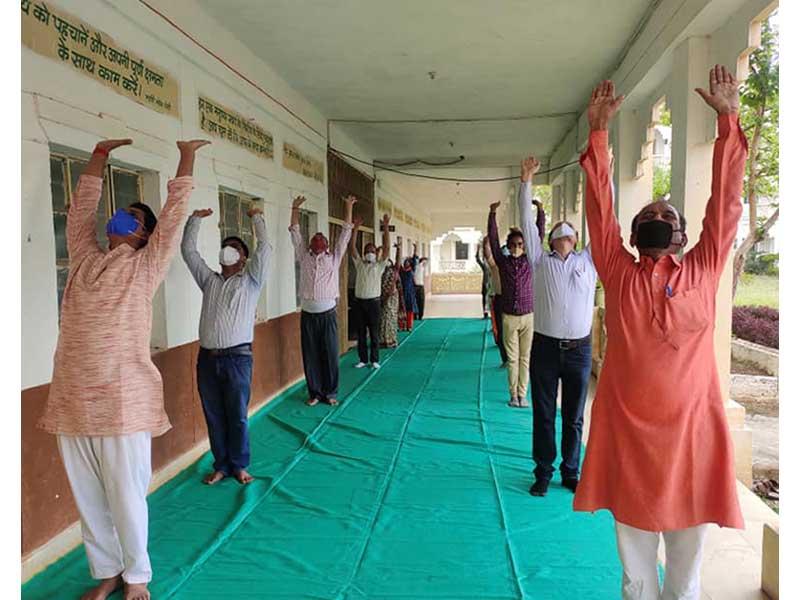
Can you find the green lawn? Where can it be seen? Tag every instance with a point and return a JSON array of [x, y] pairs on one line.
[[757, 290]]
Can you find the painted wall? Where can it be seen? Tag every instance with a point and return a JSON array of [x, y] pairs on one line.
[[62, 107], [59, 106]]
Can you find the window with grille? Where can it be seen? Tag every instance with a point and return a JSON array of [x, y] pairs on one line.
[[462, 251], [121, 188], [233, 219]]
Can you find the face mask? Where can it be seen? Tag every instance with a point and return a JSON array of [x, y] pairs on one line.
[[505, 251], [122, 223], [562, 230], [318, 244], [229, 256], [370, 257], [654, 234]]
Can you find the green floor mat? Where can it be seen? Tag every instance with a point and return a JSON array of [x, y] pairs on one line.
[[415, 487]]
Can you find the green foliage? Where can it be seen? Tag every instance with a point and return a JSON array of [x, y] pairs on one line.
[[757, 290], [544, 194], [661, 182], [665, 118], [761, 264], [759, 111]]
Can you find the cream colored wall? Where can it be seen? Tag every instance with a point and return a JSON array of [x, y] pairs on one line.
[[60, 106]]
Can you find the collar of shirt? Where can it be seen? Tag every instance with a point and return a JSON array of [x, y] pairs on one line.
[[554, 254], [650, 263]]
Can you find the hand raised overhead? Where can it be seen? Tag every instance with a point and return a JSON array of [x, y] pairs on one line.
[[109, 145], [603, 105], [529, 168], [203, 213], [723, 91]]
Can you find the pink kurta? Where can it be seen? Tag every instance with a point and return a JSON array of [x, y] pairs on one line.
[[660, 456], [104, 382]]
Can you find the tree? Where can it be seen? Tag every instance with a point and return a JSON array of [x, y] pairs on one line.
[[662, 182], [759, 117]]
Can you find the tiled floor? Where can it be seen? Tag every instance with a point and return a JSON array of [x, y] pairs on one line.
[[453, 306]]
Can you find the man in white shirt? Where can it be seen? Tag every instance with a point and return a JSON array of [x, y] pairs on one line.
[[564, 280], [369, 273]]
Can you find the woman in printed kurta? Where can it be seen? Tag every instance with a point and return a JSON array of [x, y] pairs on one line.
[[409, 291], [659, 455], [389, 306]]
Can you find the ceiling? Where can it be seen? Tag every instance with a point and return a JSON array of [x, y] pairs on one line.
[[517, 72]]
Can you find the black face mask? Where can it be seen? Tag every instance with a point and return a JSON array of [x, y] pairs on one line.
[[654, 234]]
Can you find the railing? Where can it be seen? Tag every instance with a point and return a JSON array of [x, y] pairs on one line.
[[454, 266]]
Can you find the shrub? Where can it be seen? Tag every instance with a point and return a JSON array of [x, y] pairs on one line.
[[761, 264], [757, 324]]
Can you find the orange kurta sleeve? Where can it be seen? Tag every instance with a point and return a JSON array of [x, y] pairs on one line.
[[604, 230], [724, 209]]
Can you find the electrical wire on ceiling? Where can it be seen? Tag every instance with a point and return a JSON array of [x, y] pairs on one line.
[[374, 165], [423, 162]]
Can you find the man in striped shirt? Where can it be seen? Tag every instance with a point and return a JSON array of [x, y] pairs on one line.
[[319, 293], [225, 362]]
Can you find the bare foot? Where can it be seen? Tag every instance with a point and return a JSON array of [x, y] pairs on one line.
[[136, 591], [331, 401], [104, 590], [214, 477], [244, 477]]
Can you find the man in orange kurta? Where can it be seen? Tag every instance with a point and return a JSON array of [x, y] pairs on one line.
[[659, 455], [106, 398]]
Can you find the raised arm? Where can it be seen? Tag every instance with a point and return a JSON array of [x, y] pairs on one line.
[[494, 240], [386, 240], [354, 253], [81, 235], [397, 252], [163, 243], [347, 230], [531, 234], [258, 265], [730, 154], [294, 228], [487, 252], [604, 231], [478, 259], [197, 266]]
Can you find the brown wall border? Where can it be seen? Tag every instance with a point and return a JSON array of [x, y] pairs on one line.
[[48, 507]]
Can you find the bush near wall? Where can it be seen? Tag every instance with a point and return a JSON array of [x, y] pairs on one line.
[[757, 324], [761, 264]]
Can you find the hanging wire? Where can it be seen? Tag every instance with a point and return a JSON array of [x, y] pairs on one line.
[[438, 178]]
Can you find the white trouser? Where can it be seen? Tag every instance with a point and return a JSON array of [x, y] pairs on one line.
[[638, 551], [109, 477]]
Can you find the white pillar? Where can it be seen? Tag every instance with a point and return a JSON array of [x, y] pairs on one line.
[[633, 165], [693, 133]]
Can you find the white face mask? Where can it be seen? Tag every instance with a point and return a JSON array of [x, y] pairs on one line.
[[229, 256], [370, 257], [563, 230]]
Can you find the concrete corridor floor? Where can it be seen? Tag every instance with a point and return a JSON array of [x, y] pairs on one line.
[[416, 486]]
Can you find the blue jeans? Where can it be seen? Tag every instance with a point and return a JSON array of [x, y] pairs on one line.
[[549, 363], [224, 386]]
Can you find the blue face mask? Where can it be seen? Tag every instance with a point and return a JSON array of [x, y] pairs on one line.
[[122, 223]]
